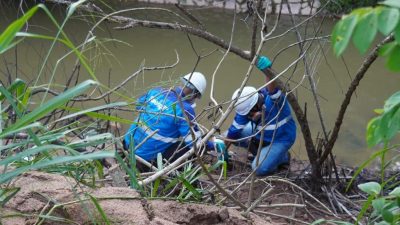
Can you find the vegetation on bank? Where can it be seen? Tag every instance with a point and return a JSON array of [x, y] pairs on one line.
[[340, 7], [50, 137]]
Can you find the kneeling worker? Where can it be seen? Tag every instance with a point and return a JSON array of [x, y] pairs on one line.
[[279, 127], [162, 123]]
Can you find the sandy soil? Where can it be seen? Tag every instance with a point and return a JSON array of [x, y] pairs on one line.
[[61, 197]]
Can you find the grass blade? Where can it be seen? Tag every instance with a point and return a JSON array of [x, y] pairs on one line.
[[58, 160], [101, 211], [52, 104], [9, 33]]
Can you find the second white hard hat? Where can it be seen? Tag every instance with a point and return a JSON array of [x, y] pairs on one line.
[[247, 100], [197, 79]]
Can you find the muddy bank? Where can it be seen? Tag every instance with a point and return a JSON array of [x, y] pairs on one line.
[[62, 200]]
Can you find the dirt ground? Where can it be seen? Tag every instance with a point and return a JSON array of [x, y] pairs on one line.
[[283, 198], [55, 196]]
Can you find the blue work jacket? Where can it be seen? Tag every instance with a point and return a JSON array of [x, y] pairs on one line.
[[281, 121], [161, 112]]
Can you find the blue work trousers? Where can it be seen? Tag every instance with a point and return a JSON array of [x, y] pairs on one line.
[[271, 156]]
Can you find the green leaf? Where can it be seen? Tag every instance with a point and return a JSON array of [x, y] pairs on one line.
[[99, 209], [9, 33], [373, 136], [387, 20], [29, 126], [6, 194], [342, 33], [387, 215], [378, 204], [91, 140], [100, 116], [371, 188], [392, 101], [395, 192], [155, 188], [32, 151], [397, 33], [386, 49], [392, 3], [52, 104], [130, 172], [74, 6], [190, 187], [365, 31], [378, 111], [393, 62], [97, 108]]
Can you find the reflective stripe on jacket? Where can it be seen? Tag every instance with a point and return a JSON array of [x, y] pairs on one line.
[[161, 112], [281, 121]]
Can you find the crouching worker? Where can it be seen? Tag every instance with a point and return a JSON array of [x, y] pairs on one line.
[[161, 126], [279, 129]]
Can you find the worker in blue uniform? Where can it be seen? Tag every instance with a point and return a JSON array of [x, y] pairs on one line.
[[279, 128], [166, 117]]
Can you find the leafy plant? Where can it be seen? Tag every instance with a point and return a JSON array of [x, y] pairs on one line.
[[345, 6], [362, 26]]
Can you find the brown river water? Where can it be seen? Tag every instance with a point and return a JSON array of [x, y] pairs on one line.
[[121, 53]]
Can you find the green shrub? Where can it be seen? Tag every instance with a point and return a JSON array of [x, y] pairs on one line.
[[346, 6]]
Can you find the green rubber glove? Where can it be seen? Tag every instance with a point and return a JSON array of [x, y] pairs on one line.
[[263, 62]]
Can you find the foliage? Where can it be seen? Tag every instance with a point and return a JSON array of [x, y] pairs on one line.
[[363, 24], [346, 6], [385, 126], [44, 148], [386, 209]]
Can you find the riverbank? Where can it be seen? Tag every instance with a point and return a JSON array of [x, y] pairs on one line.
[[297, 7]]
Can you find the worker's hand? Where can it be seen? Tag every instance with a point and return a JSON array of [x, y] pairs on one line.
[[263, 62], [220, 147]]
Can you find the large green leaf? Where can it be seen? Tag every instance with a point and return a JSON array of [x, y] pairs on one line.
[[58, 160], [393, 62], [388, 19], [52, 104], [395, 192], [397, 33], [371, 188], [392, 3], [342, 33], [9, 33], [373, 136], [392, 101], [386, 49], [378, 204], [365, 31]]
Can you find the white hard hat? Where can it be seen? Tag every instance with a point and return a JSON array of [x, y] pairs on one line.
[[197, 79], [247, 100]]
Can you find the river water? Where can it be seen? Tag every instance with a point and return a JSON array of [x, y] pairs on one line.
[[118, 54]]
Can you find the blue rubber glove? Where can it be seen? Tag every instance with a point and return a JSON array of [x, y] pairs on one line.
[[220, 147], [263, 62]]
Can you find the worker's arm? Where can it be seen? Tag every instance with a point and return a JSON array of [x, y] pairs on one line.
[[264, 65]]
